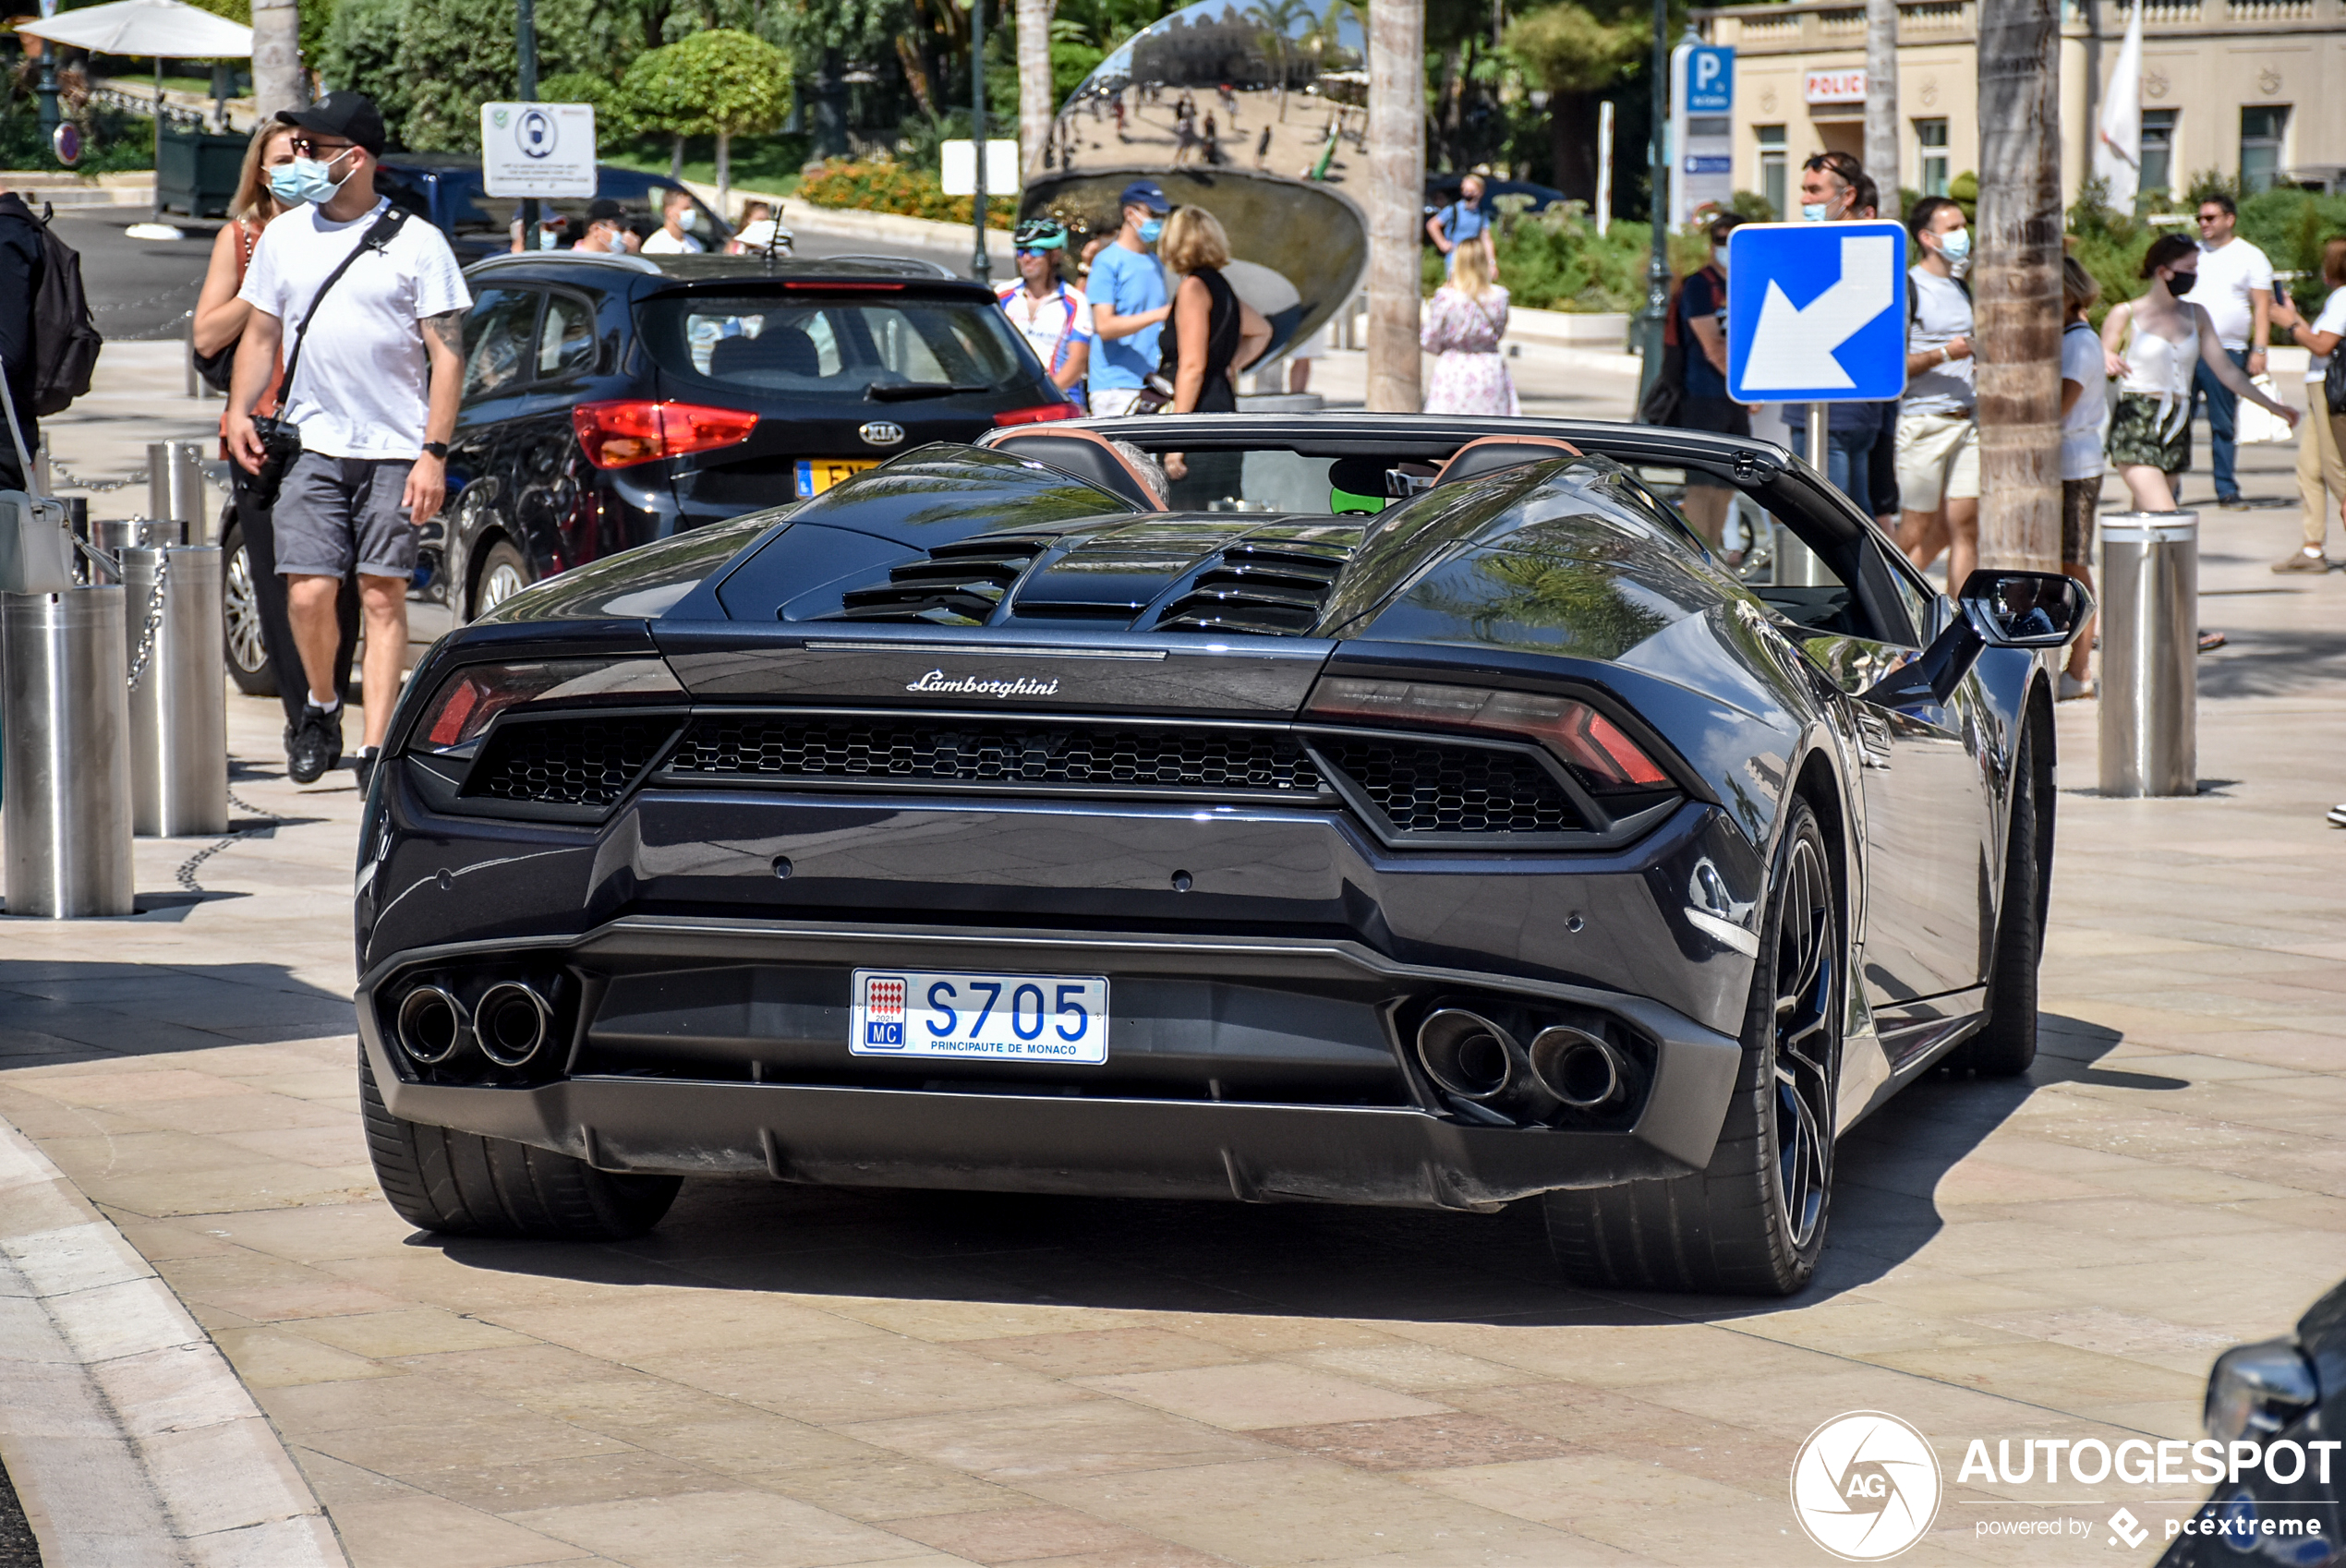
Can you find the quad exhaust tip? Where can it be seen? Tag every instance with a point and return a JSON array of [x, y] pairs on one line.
[[512, 1022], [431, 1025], [1468, 1056]]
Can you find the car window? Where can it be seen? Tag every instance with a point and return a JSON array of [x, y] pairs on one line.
[[567, 339], [835, 346], [496, 338]]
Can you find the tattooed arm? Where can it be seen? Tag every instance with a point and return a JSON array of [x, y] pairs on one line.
[[444, 347]]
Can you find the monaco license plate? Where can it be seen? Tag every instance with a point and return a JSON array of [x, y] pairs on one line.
[[1016, 1018], [817, 475]]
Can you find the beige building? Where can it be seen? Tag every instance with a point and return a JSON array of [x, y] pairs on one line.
[[2254, 87]]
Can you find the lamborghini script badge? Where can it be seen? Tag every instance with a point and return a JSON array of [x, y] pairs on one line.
[[972, 686]]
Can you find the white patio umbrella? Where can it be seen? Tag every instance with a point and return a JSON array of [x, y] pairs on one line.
[[161, 29]]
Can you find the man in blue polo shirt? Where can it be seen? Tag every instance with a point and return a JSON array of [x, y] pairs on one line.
[[1128, 302]]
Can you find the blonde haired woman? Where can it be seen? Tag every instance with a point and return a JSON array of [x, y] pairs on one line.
[[259, 630], [1464, 323], [1212, 335]]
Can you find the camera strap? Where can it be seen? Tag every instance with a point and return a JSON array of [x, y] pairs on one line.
[[377, 237]]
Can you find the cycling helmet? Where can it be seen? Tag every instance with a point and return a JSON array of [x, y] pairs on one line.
[[1040, 233]]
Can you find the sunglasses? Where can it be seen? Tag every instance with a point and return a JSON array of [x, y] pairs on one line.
[[304, 147], [2211, 217], [1027, 253]]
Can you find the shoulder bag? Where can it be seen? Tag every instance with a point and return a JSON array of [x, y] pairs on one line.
[[281, 439]]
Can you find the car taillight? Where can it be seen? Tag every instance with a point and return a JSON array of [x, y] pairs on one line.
[[467, 700], [1576, 732], [638, 430], [1038, 414]]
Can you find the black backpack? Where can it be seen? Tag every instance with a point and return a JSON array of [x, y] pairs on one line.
[[64, 339], [2334, 381]]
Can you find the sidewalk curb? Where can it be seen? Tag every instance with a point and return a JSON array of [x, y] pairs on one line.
[[130, 1438]]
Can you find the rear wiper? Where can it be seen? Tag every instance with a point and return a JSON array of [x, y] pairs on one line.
[[903, 392]]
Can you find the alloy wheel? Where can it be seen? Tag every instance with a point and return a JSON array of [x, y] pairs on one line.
[[243, 606], [1806, 993], [499, 584]]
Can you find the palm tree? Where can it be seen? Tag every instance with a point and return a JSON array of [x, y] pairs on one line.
[[2015, 285], [1035, 108], [277, 78], [1882, 101], [1394, 197]]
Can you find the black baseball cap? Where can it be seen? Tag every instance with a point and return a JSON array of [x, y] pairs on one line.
[[350, 115], [603, 207]]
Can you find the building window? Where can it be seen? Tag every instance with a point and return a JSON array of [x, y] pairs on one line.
[[1930, 155], [2260, 149], [2157, 151], [1771, 169]]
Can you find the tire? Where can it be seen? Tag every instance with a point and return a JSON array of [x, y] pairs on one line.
[[1753, 1222], [503, 574], [247, 650], [2006, 1045], [462, 1184]]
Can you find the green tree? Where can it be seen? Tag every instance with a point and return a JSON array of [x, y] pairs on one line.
[[722, 84], [361, 53], [1574, 54]]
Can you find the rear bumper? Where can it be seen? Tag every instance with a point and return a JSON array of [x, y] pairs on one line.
[[1056, 1138]]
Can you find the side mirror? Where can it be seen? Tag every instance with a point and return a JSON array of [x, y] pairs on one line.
[[2025, 609], [2004, 609]]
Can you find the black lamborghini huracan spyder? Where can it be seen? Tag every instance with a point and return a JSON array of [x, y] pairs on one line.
[[1397, 810]]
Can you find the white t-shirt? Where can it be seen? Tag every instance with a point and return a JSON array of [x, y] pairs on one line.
[[2081, 361], [363, 386], [1052, 325], [2331, 320], [662, 242], [2226, 275], [1942, 313]]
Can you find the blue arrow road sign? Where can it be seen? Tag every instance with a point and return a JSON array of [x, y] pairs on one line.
[[1816, 312], [1711, 79]]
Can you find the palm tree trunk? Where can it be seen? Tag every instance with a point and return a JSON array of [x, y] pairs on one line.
[[724, 175], [278, 81], [1881, 102], [1395, 194], [676, 156], [2016, 285], [1035, 108]]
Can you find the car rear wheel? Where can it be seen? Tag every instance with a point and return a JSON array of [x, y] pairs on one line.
[[249, 664], [2006, 1045], [462, 1184], [504, 573], [1752, 1224]]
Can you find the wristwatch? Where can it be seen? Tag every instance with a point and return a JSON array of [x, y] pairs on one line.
[[436, 449]]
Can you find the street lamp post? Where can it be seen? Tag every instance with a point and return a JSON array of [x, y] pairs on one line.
[[525, 48], [981, 265], [1650, 321]]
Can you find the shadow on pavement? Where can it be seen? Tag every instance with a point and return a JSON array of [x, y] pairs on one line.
[[1284, 1259], [55, 1010], [2274, 663]]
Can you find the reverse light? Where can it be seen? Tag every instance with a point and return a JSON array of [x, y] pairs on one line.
[[1576, 732], [634, 430], [1038, 414], [467, 700]]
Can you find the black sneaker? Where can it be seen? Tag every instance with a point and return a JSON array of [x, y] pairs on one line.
[[364, 767], [316, 746]]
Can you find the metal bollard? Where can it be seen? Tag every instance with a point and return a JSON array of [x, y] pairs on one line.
[[174, 485], [114, 535], [178, 691], [2150, 653], [66, 812]]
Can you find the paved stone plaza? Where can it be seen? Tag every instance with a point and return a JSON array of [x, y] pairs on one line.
[[793, 1376]]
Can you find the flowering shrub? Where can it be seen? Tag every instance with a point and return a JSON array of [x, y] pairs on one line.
[[883, 186]]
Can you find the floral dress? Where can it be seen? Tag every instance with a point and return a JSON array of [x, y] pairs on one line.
[[1470, 376]]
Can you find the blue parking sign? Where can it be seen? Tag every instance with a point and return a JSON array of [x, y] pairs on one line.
[[1817, 312], [1711, 79]]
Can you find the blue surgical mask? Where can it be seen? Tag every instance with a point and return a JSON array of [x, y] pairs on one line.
[[1812, 212], [306, 179], [1151, 229], [284, 184], [1955, 245]]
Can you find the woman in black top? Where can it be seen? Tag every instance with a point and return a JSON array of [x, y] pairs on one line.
[[1210, 336]]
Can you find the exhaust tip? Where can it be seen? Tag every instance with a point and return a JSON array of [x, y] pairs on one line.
[[1577, 1067], [1467, 1054], [512, 1022], [431, 1025]]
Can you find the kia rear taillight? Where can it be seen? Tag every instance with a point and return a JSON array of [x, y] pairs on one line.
[[467, 700], [1579, 735], [636, 430], [1038, 414]]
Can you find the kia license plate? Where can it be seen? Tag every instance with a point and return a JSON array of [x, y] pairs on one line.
[[817, 475], [1001, 1018]]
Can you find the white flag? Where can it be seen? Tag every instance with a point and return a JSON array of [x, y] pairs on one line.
[[2117, 139]]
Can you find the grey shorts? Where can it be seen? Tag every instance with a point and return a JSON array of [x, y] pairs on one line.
[[337, 512]]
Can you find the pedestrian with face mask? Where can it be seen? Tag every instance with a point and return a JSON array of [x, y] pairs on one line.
[[1938, 431], [1844, 195], [2236, 292], [607, 233], [1829, 187], [680, 224], [368, 404], [1129, 301]]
